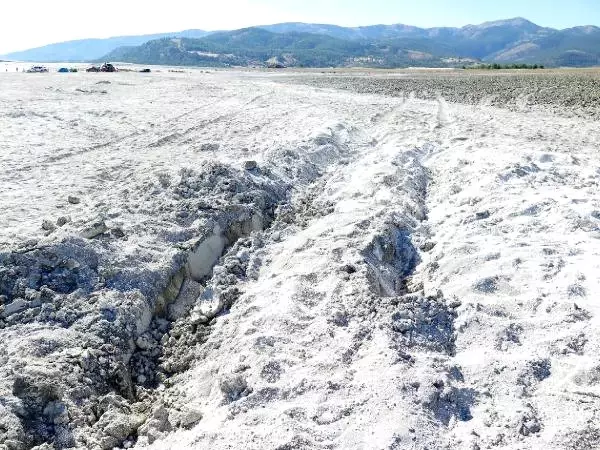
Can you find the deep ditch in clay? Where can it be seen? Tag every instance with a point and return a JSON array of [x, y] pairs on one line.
[[97, 343], [34, 282], [194, 288]]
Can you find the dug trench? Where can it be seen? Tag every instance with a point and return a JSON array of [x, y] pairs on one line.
[[102, 340], [338, 329], [420, 319], [55, 288], [99, 332]]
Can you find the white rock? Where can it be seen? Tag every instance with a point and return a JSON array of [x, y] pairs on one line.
[[16, 306]]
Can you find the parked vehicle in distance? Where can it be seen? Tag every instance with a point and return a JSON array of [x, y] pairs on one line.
[[38, 69], [73, 70], [145, 71], [63, 70], [108, 67]]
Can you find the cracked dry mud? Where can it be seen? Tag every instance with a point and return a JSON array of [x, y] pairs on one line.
[[226, 261]]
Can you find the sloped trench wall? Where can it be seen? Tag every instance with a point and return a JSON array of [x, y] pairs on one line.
[[58, 288]]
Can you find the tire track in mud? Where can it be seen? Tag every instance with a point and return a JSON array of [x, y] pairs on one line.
[[168, 123], [165, 139], [202, 124]]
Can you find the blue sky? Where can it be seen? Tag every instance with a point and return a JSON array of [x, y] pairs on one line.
[[29, 23], [431, 13]]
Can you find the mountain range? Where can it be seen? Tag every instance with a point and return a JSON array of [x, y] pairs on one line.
[[320, 45], [90, 49]]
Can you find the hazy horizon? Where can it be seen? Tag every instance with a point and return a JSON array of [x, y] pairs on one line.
[[65, 20]]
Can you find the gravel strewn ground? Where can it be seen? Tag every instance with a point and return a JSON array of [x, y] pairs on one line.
[[566, 92]]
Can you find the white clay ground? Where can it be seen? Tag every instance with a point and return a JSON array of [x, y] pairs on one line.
[[396, 273]]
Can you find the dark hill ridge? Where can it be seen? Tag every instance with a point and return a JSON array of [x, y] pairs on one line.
[[320, 45], [255, 46], [474, 41]]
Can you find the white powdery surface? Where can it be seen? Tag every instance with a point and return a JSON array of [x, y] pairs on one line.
[[429, 281]]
